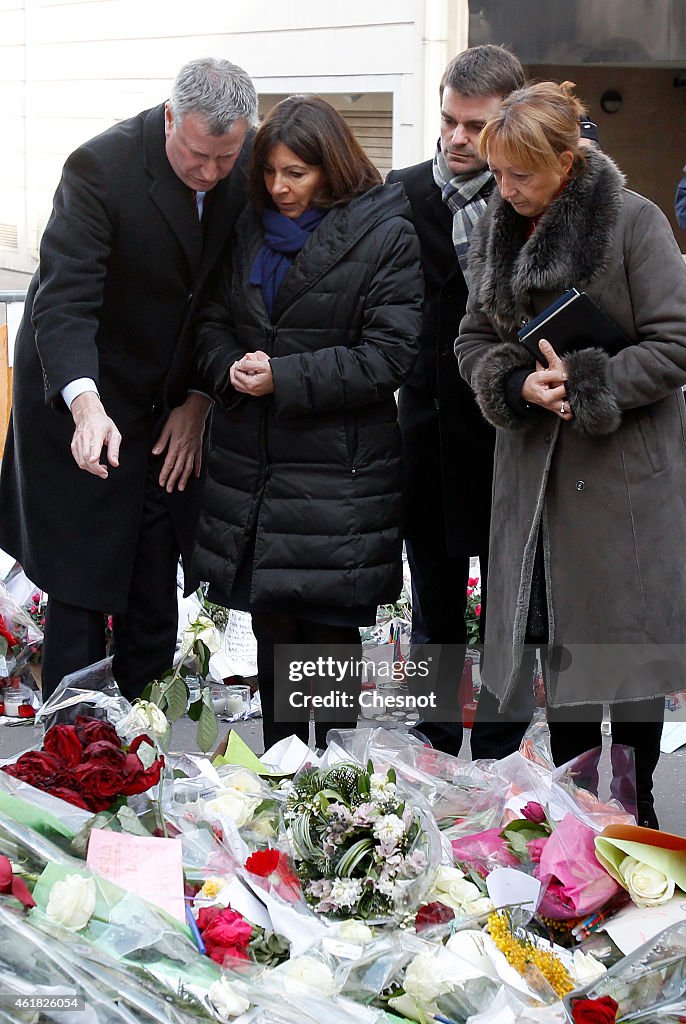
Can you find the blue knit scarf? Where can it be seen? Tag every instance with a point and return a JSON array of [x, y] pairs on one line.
[[284, 237]]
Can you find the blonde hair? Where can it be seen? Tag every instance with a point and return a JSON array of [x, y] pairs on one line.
[[534, 126]]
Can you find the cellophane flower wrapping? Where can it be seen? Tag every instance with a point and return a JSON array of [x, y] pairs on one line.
[[362, 845], [20, 637], [92, 691], [464, 796], [649, 985], [562, 857]]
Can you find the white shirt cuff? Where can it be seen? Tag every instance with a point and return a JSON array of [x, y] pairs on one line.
[[77, 387]]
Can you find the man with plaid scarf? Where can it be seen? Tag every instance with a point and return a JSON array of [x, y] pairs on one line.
[[447, 445]]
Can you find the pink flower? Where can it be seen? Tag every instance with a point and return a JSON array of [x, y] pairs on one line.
[[533, 812], [484, 851], [470, 591], [477, 610], [535, 848], [473, 581]]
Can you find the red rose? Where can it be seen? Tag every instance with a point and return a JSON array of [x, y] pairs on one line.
[[39, 768], [98, 784], [225, 933], [70, 796], [138, 779], [104, 752], [25, 711], [10, 884], [89, 730], [431, 914], [595, 1011], [64, 743]]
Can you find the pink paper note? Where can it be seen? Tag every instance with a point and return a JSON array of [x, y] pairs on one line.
[[144, 865]]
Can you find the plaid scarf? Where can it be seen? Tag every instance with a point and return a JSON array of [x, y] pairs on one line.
[[466, 196]]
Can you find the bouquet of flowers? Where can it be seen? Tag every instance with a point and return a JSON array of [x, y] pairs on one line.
[[359, 849], [20, 641], [87, 764], [562, 857]]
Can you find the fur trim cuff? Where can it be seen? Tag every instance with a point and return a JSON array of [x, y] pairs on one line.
[[489, 379], [593, 404]]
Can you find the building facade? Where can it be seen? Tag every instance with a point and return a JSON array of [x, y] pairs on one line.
[[71, 68]]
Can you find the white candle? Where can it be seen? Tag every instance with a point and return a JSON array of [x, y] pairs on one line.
[[234, 704]]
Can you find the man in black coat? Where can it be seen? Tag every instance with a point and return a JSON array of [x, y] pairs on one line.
[[447, 444], [98, 486]]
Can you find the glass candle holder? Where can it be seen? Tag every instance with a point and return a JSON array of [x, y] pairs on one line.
[[237, 701]]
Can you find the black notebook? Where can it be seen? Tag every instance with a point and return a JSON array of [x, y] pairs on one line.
[[570, 323]]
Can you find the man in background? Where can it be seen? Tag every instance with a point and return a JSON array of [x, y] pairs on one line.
[[447, 445], [98, 485]]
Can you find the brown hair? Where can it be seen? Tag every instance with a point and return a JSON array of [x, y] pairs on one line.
[[318, 135], [483, 71], [534, 126]]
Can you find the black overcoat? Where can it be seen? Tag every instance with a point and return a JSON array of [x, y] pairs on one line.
[[313, 471], [445, 437], [123, 265]]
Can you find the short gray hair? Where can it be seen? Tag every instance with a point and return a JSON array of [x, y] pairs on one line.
[[215, 90]]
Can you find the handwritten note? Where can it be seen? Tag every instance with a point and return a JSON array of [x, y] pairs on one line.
[[146, 866]]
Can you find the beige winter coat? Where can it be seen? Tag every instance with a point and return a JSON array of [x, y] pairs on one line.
[[608, 489]]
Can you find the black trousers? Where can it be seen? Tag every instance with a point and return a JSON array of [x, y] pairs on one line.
[[635, 724], [272, 627], [144, 637], [439, 602]]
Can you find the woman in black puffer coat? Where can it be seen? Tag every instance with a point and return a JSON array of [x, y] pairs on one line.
[[310, 331]]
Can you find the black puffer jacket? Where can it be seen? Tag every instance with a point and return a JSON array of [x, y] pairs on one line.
[[316, 465]]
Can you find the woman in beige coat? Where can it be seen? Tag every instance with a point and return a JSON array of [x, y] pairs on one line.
[[588, 528]]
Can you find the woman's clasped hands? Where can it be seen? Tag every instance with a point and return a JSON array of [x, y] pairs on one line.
[[548, 388], [252, 374]]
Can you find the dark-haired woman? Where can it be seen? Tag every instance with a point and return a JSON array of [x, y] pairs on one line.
[[311, 330], [588, 524]]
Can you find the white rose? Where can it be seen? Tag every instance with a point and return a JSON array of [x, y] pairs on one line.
[[355, 931], [585, 968], [226, 1001], [647, 886], [201, 629], [308, 972], [233, 804], [72, 902], [428, 976], [451, 888]]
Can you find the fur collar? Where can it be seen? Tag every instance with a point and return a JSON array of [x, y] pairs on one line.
[[570, 246]]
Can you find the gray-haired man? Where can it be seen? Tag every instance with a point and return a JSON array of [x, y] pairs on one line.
[[97, 494]]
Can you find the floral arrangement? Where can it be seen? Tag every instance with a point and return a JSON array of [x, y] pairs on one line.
[[562, 857], [357, 846], [87, 764], [473, 610]]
